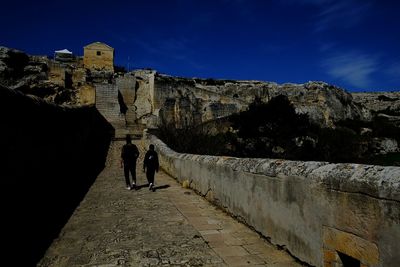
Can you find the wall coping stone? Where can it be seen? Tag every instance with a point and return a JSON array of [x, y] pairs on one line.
[[382, 182]]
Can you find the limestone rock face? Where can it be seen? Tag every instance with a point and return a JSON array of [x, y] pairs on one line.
[[136, 92], [33, 75], [385, 105], [212, 99], [379, 101]]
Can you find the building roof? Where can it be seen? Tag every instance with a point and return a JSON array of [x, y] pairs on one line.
[[99, 43], [64, 51]]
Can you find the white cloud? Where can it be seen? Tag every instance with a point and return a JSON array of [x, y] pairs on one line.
[[353, 68], [335, 13], [342, 14]]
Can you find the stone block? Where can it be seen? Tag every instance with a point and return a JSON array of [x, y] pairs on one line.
[[351, 245]]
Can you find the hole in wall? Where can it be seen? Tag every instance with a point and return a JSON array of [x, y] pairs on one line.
[[348, 261], [122, 106]]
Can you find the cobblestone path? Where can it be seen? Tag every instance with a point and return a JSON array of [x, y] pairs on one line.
[[169, 227]]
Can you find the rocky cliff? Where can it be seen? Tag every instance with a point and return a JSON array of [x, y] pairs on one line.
[[199, 100], [385, 105], [380, 102], [152, 98], [40, 76]]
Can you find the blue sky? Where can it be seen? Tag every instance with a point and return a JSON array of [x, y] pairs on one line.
[[354, 44]]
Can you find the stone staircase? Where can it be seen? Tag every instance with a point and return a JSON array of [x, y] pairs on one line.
[[107, 104]]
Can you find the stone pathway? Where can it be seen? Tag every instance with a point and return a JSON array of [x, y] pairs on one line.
[[169, 227]]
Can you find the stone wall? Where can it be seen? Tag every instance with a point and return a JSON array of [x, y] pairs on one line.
[[322, 213], [50, 157], [57, 73], [107, 103], [86, 94]]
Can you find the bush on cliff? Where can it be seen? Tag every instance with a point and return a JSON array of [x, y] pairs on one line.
[[275, 130], [195, 140]]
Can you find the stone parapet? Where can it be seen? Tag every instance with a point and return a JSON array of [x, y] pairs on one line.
[[313, 209]]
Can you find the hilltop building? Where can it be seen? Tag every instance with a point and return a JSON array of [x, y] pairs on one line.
[[98, 56]]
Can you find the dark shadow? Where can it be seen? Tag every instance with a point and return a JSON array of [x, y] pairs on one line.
[[123, 108], [138, 187], [51, 157], [348, 261], [161, 187], [68, 79]]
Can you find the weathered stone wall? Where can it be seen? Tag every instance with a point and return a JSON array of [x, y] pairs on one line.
[[99, 57], [86, 94], [57, 73], [137, 93], [316, 210], [107, 103], [78, 77], [50, 157], [126, 86]]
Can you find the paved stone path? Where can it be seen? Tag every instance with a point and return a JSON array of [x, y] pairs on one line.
[[169, 227]]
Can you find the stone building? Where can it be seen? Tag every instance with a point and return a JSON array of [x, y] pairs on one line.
[[98, 56]]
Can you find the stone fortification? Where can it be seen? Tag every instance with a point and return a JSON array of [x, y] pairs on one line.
[[320, 212]]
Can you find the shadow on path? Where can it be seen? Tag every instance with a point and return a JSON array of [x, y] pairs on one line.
[[155, 188], [161, 187]]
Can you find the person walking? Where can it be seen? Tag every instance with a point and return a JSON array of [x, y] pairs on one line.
[[129, 155], [150, 166]]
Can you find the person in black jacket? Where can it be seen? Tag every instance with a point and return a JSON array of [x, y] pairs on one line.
[[150, 166], [129, 155]]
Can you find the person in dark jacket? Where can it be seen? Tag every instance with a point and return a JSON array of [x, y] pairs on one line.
[[150, 166], [129, 155]]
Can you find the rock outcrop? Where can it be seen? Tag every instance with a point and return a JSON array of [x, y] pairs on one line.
[[384, 105], [200, 100], [37, 75], [381, 102]]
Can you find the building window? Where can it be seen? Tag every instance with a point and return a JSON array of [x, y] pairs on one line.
[[98, 53]]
